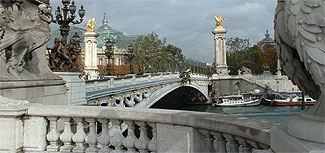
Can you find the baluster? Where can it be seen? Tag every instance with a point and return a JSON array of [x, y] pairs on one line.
[[91, 138], [143, 141], [246, 147], [66, 136], [104, 137], [208, 141], [117, 139], [221, 142], [264, 146], [53, 136], [129, 141], [234, 145], [253, 144], [79, 137], [152, 146]]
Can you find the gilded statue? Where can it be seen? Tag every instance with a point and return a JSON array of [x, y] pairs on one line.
[[218, 21], [91, 25]]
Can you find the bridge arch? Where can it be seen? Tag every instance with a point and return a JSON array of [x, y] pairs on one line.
[[166, 89]]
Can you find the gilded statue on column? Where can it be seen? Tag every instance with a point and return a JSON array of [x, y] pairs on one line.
[[218, 21], [91, 25]]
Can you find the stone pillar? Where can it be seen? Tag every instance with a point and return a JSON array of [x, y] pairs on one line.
[[11, 124], [76, 88], [278, 72], [91, 54], [220, 51]]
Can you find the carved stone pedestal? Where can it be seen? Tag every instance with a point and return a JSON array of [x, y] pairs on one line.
[[50, 92], [76, 88]]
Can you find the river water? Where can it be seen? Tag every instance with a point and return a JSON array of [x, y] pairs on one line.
[[274, 113]]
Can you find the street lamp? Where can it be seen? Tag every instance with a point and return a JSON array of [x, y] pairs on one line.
[[69, 52], [147, 57], [169, 58], [109, 52], [66, 19], [130, 56], [159, 59], [176, 61]]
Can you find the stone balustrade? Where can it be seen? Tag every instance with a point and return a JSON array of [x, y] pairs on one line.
[[99, 129], [93, 85]]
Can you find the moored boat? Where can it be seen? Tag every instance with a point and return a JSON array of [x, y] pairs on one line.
[[287, 100], [237, 100]]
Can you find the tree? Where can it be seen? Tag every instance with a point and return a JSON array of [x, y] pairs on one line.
[[237, 44], [237, 52], [269, 58], [152, 43]]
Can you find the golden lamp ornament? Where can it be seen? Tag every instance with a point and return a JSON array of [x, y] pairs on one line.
[[218, 21], [91, 25]]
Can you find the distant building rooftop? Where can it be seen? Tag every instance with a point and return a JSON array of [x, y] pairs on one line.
[[121, 42], [266, 40]]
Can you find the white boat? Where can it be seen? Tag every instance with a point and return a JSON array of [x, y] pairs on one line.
[[287, 99], [237, 100]]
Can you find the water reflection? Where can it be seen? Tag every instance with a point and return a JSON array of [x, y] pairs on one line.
[[275, 113]]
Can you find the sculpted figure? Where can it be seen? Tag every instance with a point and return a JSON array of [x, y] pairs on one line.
[[91, 25], [300, 34], [65, 57], [22, 32], [218, 21]]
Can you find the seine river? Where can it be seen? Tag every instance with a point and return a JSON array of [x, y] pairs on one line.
[[275, 113]]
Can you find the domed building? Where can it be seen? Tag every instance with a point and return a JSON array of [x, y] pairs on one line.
[[266, 41], [120, 47]]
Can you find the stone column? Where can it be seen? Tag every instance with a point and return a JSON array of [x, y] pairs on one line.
[[220, 51], [11, 123], [91, 54]]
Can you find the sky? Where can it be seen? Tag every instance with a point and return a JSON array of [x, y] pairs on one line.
[[187, 24]]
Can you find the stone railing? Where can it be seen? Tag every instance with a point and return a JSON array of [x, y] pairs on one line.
[[93, 85], [99, 129]]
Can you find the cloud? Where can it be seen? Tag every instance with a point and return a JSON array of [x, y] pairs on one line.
[[185, 23]]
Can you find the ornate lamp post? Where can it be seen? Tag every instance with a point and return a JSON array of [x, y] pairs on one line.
[[159, 59], [147, 57], [130, 56], [68, 52], [109, 52], [176, 61], [169, 58], [66, 15]]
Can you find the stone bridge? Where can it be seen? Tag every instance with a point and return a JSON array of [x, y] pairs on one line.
[[140, 92], [144, 91]]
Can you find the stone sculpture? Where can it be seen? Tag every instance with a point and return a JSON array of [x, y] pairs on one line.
[[22, 32], [300, 34], [24, 70], [63, 56]]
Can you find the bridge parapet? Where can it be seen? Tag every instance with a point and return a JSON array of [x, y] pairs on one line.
[[92, 85], [94, 129], [143, 92]]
